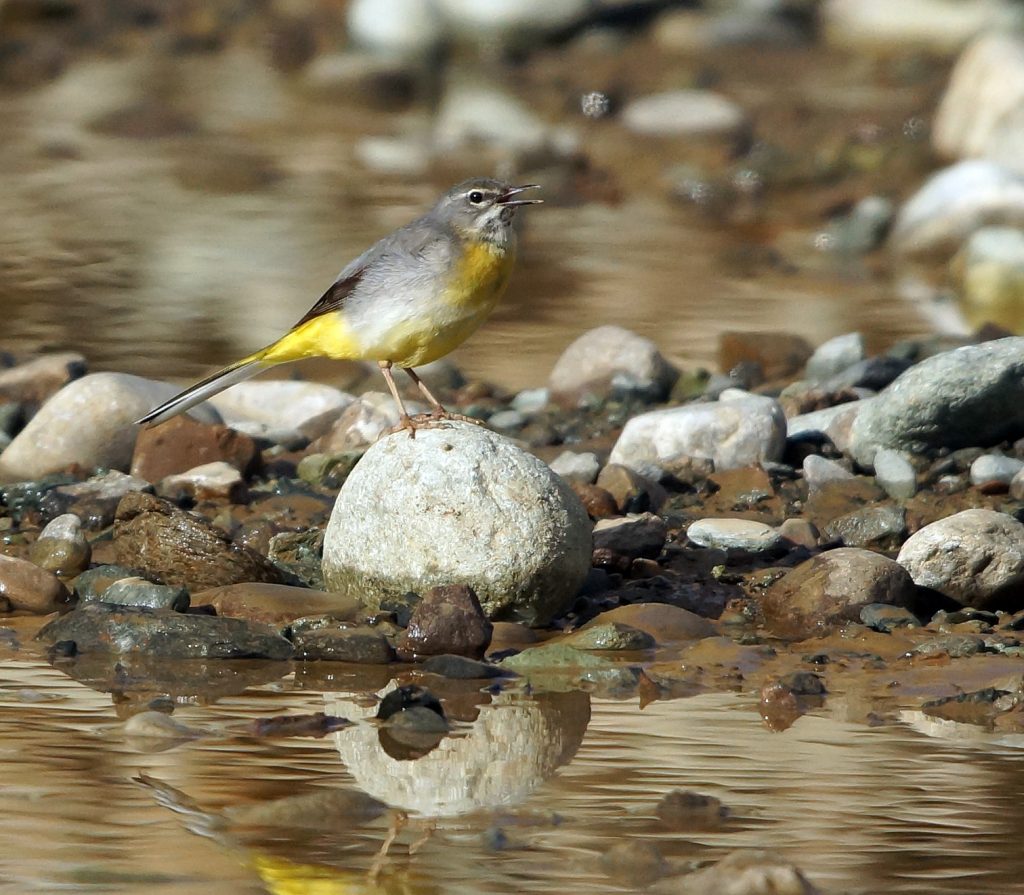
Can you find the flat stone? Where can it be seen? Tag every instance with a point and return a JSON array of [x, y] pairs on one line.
[[731, 433], [895, 473], [574, 467], [610, 635], [180, 548], [734, 534], [266, 407], [102, 628], [92, 583], [611, 359], [137, 591], [820, 471], [461, 668], [640, 535], [969, 556], [882, 528], [458, 504], [210, 481], [360, 645], [831, 588], [181, 444], [89, 423], [27, 588], [972, 396], [683, 113], [275, 604], [448, 620], [885, 618]]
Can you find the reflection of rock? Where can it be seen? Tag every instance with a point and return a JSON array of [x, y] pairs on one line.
[[514, 745]]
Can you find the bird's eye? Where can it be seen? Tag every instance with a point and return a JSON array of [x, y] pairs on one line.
[[475, 197]]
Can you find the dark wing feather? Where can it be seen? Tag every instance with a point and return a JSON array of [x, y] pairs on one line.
[[334, 298]]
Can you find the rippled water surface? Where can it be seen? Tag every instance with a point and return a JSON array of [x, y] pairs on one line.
[[531, 792]]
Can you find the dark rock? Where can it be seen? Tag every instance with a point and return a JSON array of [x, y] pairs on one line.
[[300, 554], [182, 443], [803, 683], [611, 636], [683, 810], [92, 583], [358, 644], [831, 588], [182, 549], [449, 619], [598, 503], [142, 593], [460, 668], [100, 627], [885, 618], [632, 536], [632, 492]]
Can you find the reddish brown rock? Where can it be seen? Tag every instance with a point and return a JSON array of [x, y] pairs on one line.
[[632, 492], [448, 620], [28, 588], [180, 548], [275, 604], [598, 503], [36, 380], [183, 443], [666, 624], [778, 354]]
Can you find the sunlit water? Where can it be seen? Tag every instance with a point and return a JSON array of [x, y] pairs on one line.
[[555, 779]]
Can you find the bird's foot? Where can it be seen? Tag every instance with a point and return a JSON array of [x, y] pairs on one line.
[[440, 413]]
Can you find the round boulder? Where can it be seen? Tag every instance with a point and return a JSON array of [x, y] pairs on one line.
[[458, 505], [971, 556]]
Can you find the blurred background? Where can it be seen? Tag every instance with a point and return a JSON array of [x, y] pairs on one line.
[[181, 179]]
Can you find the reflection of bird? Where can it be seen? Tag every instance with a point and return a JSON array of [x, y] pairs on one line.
[[408, 300]]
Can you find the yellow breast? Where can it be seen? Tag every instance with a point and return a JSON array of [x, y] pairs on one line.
[[479, 276]]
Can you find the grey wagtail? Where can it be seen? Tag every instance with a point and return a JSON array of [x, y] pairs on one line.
[[416, 295]]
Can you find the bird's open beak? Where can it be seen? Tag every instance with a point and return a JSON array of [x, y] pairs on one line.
[[506, 197]]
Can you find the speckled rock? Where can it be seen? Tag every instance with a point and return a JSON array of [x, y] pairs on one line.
[[576, 467], [820, 471], [447, 621], [343, 642], [610, 635], [832, 588], [180, 548], [28, 588], [732, 432], [972, 396], [62, 548], [970, 556], [880, 528], [632, 492], [734, 534], [611, 359], [90, 422], [463, 505]]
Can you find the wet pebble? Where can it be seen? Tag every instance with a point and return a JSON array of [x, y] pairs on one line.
[[882, 528], [28, 588], [103, 628], [91, 584], [458, 503], [638, 535], [90, 422], [885, 618], [210, 481], [62, 547], [181, 548], [611, 359], [734, 534], [158, 726], [577, 467], [447, 620], [137, 591], [963, 398], [820, 471], [362, 645], [598, 503], [746, 872], [610, 635], [180, 444], [275, 604], [968, 556], [831, 588], [460, 668], [632, 492], [895, 473], [683, 113], [328, 470], [735, 431], [834, 356], [995, 470]]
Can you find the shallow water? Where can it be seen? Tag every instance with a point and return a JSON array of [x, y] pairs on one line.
[[555, 780]]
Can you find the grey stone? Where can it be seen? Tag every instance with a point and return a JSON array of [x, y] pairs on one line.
[[746, 872], [990, 468], [90, 422], [137, 591], [531, 400], [967, 397], [608, 359], [734, 534], [833, 423], [885, 618], [895, 473], [507, 420], [277, 409], [733, 432], [103, 628], [979, 115], [820, 471], [955, 202], [834, 356], [867, 376], [406, 29], [517, 24], [683, 113], [574, 467], [875, 527], [610, 636], [642, 534], [91, 584], [1017, 486], [968, 556], [863, 229], [458, 504]]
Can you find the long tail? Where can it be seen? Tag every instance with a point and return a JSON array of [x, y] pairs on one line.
[[212, 385]]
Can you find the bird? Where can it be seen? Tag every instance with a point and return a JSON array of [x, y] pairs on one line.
[[411, 298]]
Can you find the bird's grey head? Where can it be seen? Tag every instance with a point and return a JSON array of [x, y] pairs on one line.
[[483, 208]]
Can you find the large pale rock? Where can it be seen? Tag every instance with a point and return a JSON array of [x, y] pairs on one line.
[[972, 396], [90, 423], [956, 201], [458, 505], [270, 407], [969, 556], [400, 28], [732, 433], [611, 358], [982, 111], [683, 113]]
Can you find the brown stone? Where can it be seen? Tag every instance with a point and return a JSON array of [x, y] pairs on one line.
[[598, 503], [632, 492], [275, 604], [666, 624], [830, 589], [183, 443], [36, 380], [448, 620], [28, 588], [778, 354], [180, 548]]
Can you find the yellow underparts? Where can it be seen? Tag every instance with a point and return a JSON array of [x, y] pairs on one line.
[[325, 336]]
